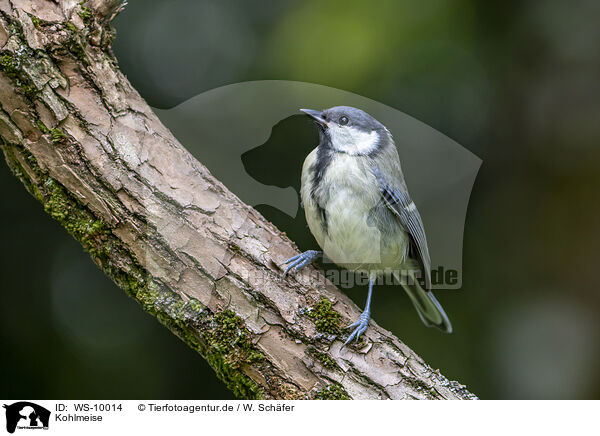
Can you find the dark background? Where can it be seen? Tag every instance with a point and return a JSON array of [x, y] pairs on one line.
[[514, 82]]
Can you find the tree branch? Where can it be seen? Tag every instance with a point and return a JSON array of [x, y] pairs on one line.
[[89, 148]]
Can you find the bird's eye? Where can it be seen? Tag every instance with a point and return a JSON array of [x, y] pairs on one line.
[[343, 120]]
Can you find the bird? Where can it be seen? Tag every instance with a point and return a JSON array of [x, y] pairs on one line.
[[358, 208]]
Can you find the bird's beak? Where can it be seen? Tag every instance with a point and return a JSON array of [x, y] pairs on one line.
[[315, 115]]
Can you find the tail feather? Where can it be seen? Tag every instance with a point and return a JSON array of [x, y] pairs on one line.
[[428, 307]]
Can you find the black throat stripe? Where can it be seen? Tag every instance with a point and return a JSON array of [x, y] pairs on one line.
[[322, 162]]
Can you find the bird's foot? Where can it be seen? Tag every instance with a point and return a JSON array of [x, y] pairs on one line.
[[299, 261], [360, 326]]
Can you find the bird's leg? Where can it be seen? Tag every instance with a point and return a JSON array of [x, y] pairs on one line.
[[360, 326], [299, 261]]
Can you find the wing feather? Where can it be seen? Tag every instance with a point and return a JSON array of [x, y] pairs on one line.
[[400, 203]]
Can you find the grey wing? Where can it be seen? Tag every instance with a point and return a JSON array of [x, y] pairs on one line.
[[400, 203]]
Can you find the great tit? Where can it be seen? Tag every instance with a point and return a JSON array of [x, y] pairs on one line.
[[358, 208]]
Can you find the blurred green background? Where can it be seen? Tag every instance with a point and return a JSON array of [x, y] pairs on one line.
[[514, 82]]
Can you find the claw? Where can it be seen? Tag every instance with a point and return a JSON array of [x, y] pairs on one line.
[[353, 325], [360, 326], [292, 258], [299, 261]]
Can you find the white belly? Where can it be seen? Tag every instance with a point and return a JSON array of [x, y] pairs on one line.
[[355, 237]]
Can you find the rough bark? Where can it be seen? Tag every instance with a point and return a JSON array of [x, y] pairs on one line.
[[89, 148]]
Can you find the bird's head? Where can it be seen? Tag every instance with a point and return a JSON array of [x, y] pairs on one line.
[[349, 130]]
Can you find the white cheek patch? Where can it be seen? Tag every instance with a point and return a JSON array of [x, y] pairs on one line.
[[351, 140]]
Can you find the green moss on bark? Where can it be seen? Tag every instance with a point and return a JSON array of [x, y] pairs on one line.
[[85, 13], [58, 136], [36, 21], [323, 358], [333, 391], [42, 127], [12, 66], [326, 319], [229, 338], [220, 338]]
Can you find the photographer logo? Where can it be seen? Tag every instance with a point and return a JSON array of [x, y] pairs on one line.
[[26, 415]]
